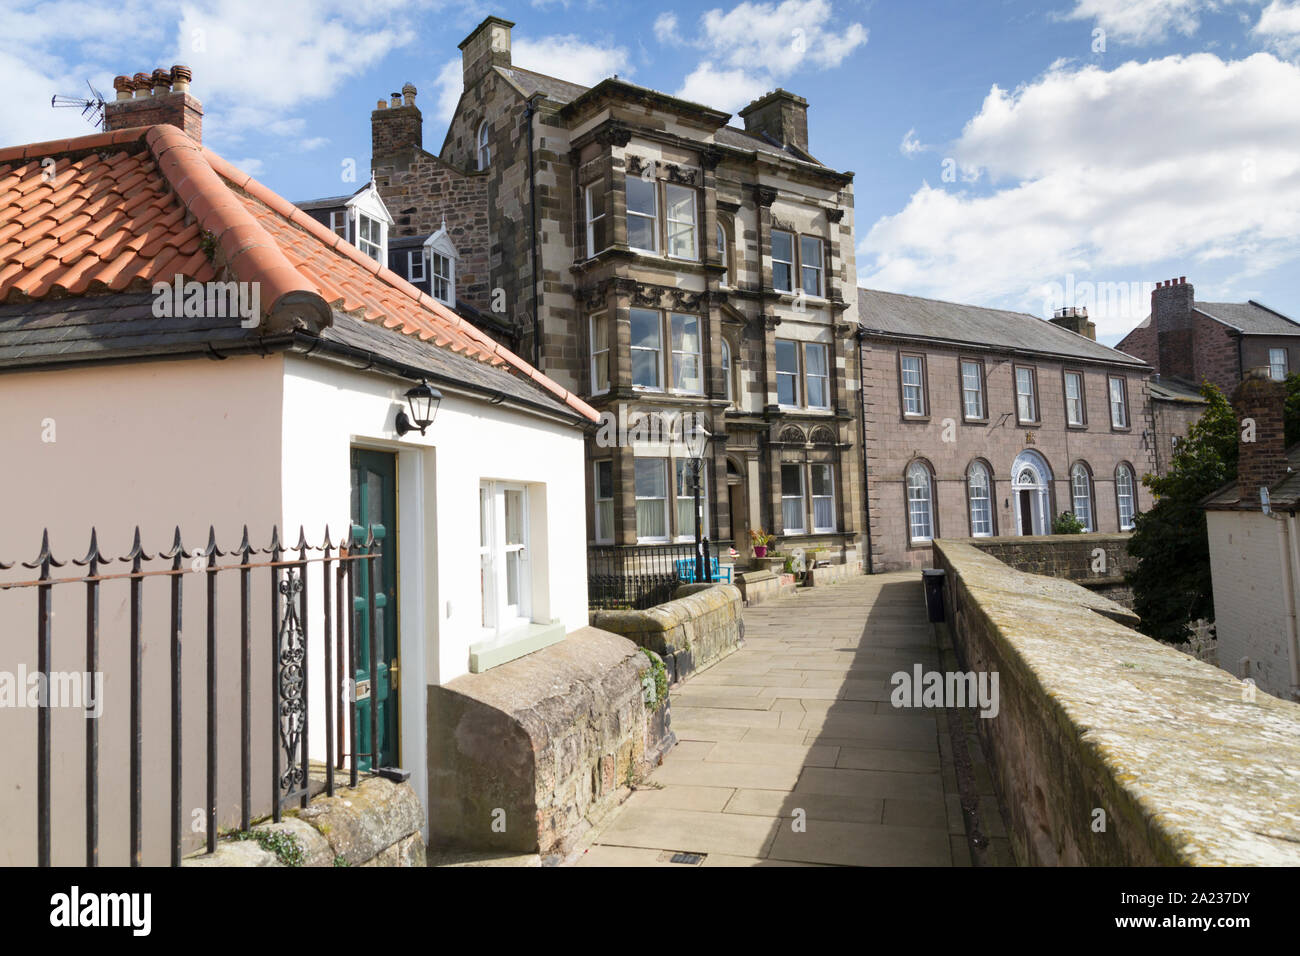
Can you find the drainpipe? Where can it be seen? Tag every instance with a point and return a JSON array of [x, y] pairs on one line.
[[862, 437], [529, 112], [1293, 566]]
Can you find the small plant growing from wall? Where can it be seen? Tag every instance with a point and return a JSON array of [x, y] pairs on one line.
[[284, 845], [655, 682]]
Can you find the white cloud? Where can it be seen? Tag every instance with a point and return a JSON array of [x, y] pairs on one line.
[[1279, 25], [753, 45], [666, 28], [1142, 21], [254, 167], [449, 83], [571, 58], [721, 89], [1105, 174], [910, 145], [313, 142]]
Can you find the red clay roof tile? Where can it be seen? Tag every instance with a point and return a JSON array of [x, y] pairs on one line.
[[118, 211]]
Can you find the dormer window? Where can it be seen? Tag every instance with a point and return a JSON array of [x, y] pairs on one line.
[[370, 236], [442, 257], [339, 222], [415, 265], [484, 150]]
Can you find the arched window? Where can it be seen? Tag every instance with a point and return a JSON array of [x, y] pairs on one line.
[[1081, 494], [979, 489], [1124, 495], [484, 150], [726, 369], [920, 503]]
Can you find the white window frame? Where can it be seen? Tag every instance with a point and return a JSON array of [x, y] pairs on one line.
[[920, 410], [794, 376], [790, 263], [723, 253], [818, 268], [1071, 401], [436, 277], [914, 470], [667, 517], [415, 257], [803, 501], [1081, 493], [693, 222], [1031, 395], [602, 534], [678, 355], [499, 617], [814, 497], [978, 467], [824, 377], [1274, 364], [967, 391], [483, 148], [1120, 496], [602, 320], [658, 351], [1118, 408], [726, 371], [593, 219], [653, 215], [339, 218], [363, 242]]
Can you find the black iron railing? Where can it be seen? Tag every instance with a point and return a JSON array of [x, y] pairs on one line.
[[643, 575], [286, 646]]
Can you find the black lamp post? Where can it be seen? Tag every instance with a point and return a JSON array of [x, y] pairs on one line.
[[701, 445], [423, 400]]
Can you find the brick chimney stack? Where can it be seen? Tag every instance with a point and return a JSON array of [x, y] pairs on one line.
[[781, 115], [148, 99], [486, 47], [1262, 462], [1076, 320], [396, 124], [1172, 304]]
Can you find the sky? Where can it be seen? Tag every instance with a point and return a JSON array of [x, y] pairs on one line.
[[1022, 154]]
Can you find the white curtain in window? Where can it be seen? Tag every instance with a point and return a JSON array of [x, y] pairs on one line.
[[651, 498], [823, 498], [920, 523], [792, 506]]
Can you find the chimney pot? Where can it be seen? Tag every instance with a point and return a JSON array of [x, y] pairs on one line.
[[408, 94], [150, 99], [162, 81], [396, 100], [143, 85], [181, 77], [381, 105], [124, 87]]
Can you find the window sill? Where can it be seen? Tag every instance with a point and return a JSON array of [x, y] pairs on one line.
[[513, 644]]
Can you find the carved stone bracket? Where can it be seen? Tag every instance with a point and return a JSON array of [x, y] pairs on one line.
[[614, 134], [835, 215], [764, 195], [710, 156], [770, 322]]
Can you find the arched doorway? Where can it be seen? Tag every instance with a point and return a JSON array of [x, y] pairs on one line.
[[738, 505], [1031, 482]]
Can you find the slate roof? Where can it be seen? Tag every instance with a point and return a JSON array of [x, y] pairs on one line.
[[909, 316], [1283, 494], [1249, 317], [1170, 390], [128, 208]]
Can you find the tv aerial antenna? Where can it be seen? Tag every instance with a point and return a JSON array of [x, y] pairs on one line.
[[92, 108]]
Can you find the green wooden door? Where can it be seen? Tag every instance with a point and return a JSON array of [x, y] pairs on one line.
[[374, 506]]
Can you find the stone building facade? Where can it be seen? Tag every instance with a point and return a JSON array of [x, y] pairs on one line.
[[670, 269], [983, 423]]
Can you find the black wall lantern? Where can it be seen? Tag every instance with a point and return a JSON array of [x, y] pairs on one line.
[[423, 400]]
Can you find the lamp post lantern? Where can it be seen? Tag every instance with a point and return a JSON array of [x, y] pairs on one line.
[[699, 447]]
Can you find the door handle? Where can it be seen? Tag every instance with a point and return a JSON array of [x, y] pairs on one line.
[[394, 674]]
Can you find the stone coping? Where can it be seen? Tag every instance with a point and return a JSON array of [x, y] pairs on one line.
[[1213, 777]]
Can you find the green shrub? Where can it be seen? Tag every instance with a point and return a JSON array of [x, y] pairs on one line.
[[1067, 523]]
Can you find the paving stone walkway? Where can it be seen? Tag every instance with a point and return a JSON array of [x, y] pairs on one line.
[[789, 752]]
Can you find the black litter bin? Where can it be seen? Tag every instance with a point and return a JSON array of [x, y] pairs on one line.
[[932, 578]]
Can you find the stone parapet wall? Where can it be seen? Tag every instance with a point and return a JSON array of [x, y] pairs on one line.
[[1097, 561], [376, 824], [1185, 766], [523, 757], [701, 625]]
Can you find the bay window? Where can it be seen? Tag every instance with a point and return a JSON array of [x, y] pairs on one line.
[[685, 361], [599, 353], [604, 502], [803, 374], [594, 199], [647, 348], [823, 497], [686, 354], [642, 215], [782, 261], [685, 468], [787, 372], [792, 499], [679, 209], [678, 223], [651, 488], [810, 265]]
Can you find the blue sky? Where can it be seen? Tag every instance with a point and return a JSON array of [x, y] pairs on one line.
[[1007, 153]]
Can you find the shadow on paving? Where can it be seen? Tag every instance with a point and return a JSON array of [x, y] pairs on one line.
[[790, 752]]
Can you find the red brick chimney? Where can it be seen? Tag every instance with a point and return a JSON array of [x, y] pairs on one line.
[[1261, 462], [1172, 304], [148, 99], [396, 125]]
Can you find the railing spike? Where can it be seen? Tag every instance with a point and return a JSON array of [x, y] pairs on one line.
[[244, 547], [93, 555], [302, 546], [45, 560], [212, 550], [276, 546], [326, 545]]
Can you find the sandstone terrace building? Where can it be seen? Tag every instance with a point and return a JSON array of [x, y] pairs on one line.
[[651, 258], [983, 422]]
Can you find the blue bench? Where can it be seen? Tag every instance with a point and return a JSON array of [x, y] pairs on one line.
[[686, 570]]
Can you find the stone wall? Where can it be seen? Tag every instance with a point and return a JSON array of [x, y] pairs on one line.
[[1186, 767], [376, 824], [701, 625], [1096, 561], [525, 756]]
